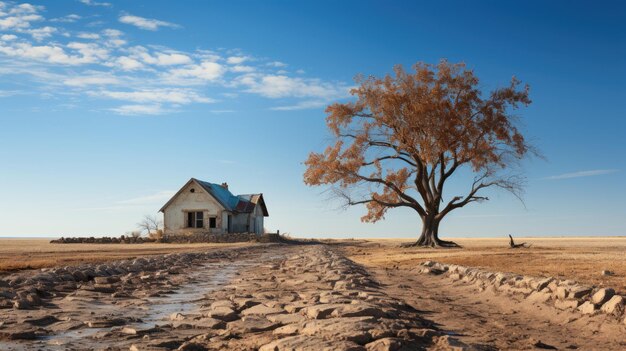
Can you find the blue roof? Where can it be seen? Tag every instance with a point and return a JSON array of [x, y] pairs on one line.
[[221, 194]]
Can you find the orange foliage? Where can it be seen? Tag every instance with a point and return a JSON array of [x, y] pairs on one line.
[[406, 134]]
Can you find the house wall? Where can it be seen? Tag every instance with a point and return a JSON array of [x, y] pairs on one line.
[[174, 216]]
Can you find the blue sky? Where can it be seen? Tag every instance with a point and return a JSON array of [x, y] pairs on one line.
[[107, 108]]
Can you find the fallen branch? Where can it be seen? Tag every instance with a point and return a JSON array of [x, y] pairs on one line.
[[513, 245]]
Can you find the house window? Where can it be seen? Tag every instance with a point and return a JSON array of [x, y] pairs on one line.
[[212, 222], [195, 220]]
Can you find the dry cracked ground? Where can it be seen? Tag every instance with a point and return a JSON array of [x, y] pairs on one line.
[[277, 297]]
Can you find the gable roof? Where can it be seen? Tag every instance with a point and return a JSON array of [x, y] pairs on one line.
[[230, 202]]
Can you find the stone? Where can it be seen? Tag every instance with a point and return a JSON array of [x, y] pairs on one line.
[[22, 305], [578, 292], [358, 310], [587, 308], [539, 297], [385, 344], [285, 318], [308, 343], [355, 329], [223, 313], [192, 346], [262, 310], [320, 311], [561, 292], [541, 284], [607, 273], [614, 305], [251, 324], [176, 316], [128, 331], [289, 329], [566, 304], [601, 296]]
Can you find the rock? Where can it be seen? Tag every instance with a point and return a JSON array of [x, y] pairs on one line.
[[541, 284], [578, 292], [106, 323], [320, 311], [251, 324], [358, 310], [307, 343], [355, 329], [385, 344], [561, 292], [223, 313], [539, 297], [21, 305], [566, 304], [192, 346], [176, 316], [128, 331], [285, 318], [587, 308], [449, 344], [601, 296], [607, 273], [262, 310], [289, 329], [614, 305]]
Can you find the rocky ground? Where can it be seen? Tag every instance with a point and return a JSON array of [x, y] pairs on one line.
[[276, 297]]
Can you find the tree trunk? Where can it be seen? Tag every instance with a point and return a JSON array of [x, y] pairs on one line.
[[430, 234]]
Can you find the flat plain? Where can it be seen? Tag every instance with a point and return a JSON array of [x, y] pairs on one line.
[[331, 294], [578, 258], [17, 254]]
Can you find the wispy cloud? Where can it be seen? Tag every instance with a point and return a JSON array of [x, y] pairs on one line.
[[157, 197], [95, 3], [581, 174], [146, 23], [153, 79], [133, 110]]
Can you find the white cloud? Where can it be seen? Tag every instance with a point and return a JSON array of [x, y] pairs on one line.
[[112, 33], [94, 3], [278, 86], [242, 69], [235, 60], [128, 64], [174, 96], [92, 36], [71, 18], [302, 105], [52, 53], [195, 74], [18, 22], [580, 174], [94, 79], [40, 34], [8, 37], [140, 110], [146, 23], [160, 58], [276, 64]]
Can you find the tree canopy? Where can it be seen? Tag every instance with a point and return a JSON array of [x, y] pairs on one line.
[[405, 135]]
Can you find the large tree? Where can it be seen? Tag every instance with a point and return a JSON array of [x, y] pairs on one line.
[[405, 136]]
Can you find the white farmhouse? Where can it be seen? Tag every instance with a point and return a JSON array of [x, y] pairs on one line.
[[211, 208]]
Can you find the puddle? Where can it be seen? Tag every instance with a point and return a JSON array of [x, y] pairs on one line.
[[153, 311]]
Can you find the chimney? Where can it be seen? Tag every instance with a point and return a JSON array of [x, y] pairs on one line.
[[225, 185]]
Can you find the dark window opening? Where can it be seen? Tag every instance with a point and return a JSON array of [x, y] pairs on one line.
[[195, 220], [212, 222]]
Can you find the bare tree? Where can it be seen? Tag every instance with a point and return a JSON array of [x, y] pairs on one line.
[[150, 225]]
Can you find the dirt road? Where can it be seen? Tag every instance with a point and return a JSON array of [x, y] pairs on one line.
[[275, 297]]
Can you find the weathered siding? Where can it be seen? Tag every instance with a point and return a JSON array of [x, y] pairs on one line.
[[174, 216]]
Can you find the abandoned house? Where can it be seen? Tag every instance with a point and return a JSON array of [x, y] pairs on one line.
[[207, 207]]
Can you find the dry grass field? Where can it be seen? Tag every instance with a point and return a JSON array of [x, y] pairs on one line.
[[578, 258], [16, 254]]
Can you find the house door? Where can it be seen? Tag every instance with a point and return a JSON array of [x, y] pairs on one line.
[[230, 223]]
